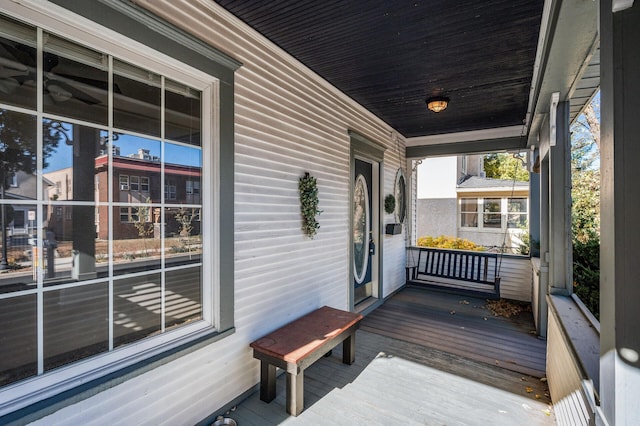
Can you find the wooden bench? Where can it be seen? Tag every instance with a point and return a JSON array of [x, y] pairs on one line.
[[297, 345]]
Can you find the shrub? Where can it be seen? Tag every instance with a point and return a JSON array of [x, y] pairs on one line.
[[586, 272], [446, 242]]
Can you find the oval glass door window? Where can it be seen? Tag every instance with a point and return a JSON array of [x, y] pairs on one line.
[[361, 217], [401, 192]]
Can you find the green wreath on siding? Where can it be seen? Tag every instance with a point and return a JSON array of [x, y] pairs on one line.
[[308, 188], [390, 204]]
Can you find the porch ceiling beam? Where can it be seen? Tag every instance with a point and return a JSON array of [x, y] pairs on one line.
[[467, 147], [568, 42]]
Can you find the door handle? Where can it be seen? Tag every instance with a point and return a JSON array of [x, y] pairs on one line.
[[372, 247]]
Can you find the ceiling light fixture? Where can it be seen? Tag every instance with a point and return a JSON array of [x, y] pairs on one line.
[[437, 103]]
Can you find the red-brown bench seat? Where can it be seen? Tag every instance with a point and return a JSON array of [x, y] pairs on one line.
[[297, 345]]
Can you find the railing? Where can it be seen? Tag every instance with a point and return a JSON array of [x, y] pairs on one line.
[[468, 266]]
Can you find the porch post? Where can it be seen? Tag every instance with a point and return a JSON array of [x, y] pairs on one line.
[[620, 201], [534, 214], [560, 249]]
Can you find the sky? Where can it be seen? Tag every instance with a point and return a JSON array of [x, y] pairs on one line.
[[62, 157], [437, 177]]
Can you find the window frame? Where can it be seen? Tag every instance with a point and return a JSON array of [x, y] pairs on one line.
[[468, 212], [170, 190], [485, 214], [504, 213], [137, 183], [519, 214], [144, 179], [123, 182], [128, 32]]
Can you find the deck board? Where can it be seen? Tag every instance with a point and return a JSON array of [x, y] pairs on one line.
[[397, 381], [440, 320]]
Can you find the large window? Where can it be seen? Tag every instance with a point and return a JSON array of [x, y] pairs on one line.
[[469, 212], [491, 217], [517, 212], [493, 213], [122, 270]]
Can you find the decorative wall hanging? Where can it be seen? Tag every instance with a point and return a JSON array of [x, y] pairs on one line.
[[398, 207], [401, 197], [389, 204], [307, 186]]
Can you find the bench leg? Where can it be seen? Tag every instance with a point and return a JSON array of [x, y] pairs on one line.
[[295, 393], [349, 349], [267, 381]]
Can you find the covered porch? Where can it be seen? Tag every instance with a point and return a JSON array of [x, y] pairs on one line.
[[293, 88], [424, 357]]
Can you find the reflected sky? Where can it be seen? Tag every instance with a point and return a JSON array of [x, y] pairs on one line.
[[62, 156]]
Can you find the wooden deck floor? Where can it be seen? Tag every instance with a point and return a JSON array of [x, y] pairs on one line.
[[399, 379], [463, 326]]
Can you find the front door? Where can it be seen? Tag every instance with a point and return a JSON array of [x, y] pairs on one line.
[[363, 225]]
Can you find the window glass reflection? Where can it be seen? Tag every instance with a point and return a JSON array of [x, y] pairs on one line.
[[18, 257], [183, 171], [183, 294], [73, 156], [136, 307], [87, 205], [18, 338], [136, 99], [136, 238], [183, 235], [75, 81], [17, 64], [71, 250], [136, 170], [182, 113], [75, 324], [469, 208], [492, 217], [17, 156]]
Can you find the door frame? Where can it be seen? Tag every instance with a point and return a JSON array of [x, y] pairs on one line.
[[367, 150]]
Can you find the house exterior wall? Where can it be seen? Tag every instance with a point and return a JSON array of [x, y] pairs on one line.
[[437, 216], [288, 121], [437, 179], [516, 278], [493, 239]]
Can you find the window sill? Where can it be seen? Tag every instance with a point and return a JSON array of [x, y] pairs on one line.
[[88, 389]]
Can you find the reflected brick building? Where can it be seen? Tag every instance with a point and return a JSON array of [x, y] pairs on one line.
[[138, 187]]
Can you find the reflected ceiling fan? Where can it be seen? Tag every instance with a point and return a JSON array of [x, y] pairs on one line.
[[18, 66]]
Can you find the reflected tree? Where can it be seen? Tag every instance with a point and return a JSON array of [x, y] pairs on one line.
[[143, 223], [18, 153]]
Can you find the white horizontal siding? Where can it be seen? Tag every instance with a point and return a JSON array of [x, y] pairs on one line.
[[567, 385], [288, 121], [516, 278], [394, 260]]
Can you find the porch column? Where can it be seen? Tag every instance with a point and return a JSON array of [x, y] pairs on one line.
[[534, 214], [543, 289], [540, 293], [620, 208], [84, 228], [560, 256]]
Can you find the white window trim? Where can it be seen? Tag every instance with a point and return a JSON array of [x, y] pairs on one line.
[[144, 179], [504, 214], [123, 186], [137, 183], [59, 21]]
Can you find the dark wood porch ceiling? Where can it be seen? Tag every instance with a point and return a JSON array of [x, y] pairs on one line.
[[390, 56]]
